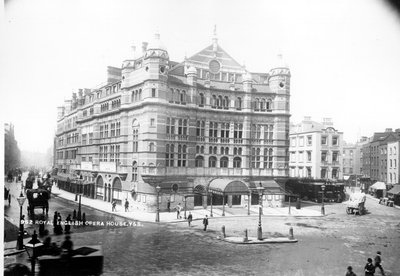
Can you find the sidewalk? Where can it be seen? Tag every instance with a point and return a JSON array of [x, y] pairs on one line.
[[199, 213]]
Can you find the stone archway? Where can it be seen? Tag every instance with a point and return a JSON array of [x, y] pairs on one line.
[[200, 196], [99, 188], [117, 190]]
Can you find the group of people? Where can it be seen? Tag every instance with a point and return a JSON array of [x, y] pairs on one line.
[[190, 216], [370, 267], [57, 222], [114, 205], [51, 248]]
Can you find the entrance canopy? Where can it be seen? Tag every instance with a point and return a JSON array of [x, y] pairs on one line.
[[395, 190], [378, 186], [228, 186], [270, 186]]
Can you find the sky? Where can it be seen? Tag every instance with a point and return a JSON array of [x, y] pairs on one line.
[[344, 56]]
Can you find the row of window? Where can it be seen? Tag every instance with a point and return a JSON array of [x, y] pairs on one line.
[[109, 153], [68, 154], [115, 130], [256, 158], [324, 172], [85, 138], [324, 156], [72, 138], [181, 154], [309, 138], [136, 95], [173, 124]]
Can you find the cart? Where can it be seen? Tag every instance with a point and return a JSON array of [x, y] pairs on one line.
[[356, 204]]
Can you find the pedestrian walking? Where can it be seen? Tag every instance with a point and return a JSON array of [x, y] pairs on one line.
[[205, 223], [68, 221], [55, 222], [126, 205], [114, 204], [369, 268], [169, 206], [178, 211], [350, 271], [59, 224], [190, 218], [378, 262], [9, 199]]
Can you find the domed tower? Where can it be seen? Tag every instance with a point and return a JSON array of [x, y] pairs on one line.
[[156, 59], [279, 76], [279, 83]]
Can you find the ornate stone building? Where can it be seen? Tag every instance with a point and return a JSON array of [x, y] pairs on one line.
[[200, 126]]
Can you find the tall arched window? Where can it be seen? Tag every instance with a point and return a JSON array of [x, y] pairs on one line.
[[135, 126], [223, 162], [262, 105], [214, 101], [171, 95], [199, 162], [226, 102], [212, 162], [257, 105], [237, 162], [183, 97], [238, 103], [134, 171], [202, 100], [152, 147], [140, 94], [269, 105], [219, 101]]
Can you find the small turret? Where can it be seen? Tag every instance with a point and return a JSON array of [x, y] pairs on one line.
[[191, 75], [247, 82]]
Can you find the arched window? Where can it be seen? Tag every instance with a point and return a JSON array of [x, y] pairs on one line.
[[185, 127], [135, 138], [202, 100], [226, 102], [269, 105], [223, 162], [199, 161], [202, 149], [176, 96], [227, 151], [219, 101], [197, 149], [237, 162], [134, 171], [262, 105], [212, 162], [214, 101], [183, 97], [234, 151], [151, 147], [215, 150], [171, 95], [238, 103], [140, 94], [257, 105]]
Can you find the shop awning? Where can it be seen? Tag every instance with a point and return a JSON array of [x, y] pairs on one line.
[[395, 190], [270, 186], [378, 186], [228, 186]]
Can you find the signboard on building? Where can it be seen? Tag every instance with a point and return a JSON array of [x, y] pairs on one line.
[[86, 166], [108, 167]]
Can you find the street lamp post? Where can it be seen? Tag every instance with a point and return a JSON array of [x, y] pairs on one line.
[[158, 189], [260, 191], [20, 240], [185, 199], [323, 205], [33, 248]]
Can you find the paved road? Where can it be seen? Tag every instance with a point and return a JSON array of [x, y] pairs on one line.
[[55, 204], [326, 245]]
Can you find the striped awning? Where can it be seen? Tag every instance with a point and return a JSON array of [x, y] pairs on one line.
[[228, 186]]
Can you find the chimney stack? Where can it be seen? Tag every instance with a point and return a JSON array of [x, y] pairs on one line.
[[388, 130]]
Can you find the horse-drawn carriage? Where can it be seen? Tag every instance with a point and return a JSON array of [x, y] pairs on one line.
[[37, 198], [356, 204]]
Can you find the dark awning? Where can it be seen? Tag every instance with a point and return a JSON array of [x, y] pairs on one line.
[[228, 186]]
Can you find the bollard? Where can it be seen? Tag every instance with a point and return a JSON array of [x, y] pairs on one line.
[[291, 237], [298, 203], [246, 237], [223, 231]]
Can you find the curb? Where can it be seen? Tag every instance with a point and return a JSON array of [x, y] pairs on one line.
[[183, 220], [13, 252], [254, 240]]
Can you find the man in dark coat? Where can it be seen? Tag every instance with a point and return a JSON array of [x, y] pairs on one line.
[[378, 261], [369, 268], [190, 218], [126, 205], [205, 223]]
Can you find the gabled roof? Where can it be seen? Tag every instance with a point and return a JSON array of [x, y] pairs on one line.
[[207, 54]]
